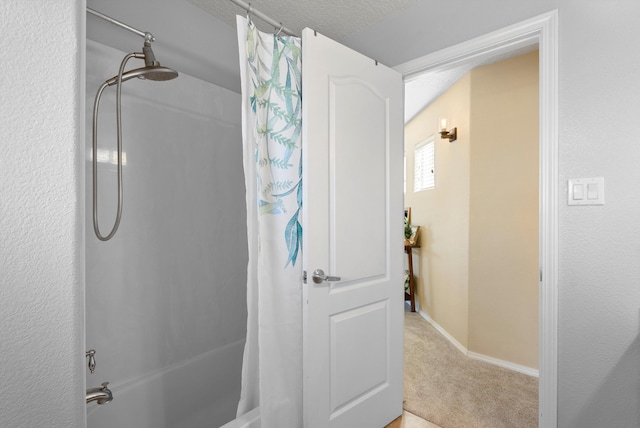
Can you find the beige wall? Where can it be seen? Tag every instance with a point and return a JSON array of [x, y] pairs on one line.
[[443, 213], [503, 232], [479, 258]]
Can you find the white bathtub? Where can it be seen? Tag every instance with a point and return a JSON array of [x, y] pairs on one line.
[[202, 392], [248, 420]]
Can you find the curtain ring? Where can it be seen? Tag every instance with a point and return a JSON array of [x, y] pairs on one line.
[[249, 11], [280, 30]]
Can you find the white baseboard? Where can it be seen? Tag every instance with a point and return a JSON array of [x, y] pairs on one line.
[[484, 358], [444, 332], [504, 364]]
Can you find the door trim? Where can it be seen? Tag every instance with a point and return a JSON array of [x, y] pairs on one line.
[[541, 30]]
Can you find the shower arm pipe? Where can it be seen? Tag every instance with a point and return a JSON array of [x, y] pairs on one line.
[[251, 11], [145, 34]]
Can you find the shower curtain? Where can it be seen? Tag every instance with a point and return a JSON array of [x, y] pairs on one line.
[[270, 68]]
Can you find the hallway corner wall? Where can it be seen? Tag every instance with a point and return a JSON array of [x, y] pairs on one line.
[[443, 212]]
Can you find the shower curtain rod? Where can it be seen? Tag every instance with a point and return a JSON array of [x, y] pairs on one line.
[[147, 35], [251, 11]]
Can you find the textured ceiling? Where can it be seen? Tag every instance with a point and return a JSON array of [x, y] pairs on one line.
[[338, 19], [335, 19]]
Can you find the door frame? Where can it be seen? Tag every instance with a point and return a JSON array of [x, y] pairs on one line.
[[541, 30]]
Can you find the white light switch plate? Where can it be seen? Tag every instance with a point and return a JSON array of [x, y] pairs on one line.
[[586, 191]]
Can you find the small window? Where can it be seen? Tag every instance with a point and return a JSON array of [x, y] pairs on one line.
[[424, 177]]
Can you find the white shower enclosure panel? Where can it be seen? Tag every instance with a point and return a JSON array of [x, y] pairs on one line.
[[166, 296]]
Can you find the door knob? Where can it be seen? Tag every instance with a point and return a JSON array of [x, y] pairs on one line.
[[319, 276]]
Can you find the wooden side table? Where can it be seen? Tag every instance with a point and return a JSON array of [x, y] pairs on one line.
[[411, 296]]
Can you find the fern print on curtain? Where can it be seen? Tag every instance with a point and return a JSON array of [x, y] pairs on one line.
[[272, 122]]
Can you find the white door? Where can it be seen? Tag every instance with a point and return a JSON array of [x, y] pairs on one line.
[[353, 217]]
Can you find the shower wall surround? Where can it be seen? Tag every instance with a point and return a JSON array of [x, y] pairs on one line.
[[166, 297]]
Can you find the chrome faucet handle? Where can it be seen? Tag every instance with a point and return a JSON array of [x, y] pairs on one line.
[[104, 385], [92, 360]]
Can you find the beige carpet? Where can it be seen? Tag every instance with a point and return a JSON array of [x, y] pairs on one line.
[[445, 387]]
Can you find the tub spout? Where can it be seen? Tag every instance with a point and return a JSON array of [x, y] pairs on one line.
[[102, 395]]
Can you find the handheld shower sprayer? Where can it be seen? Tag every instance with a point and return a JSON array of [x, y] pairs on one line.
[[151, 71]]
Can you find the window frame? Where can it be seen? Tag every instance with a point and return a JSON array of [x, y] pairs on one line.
[[421, 164]]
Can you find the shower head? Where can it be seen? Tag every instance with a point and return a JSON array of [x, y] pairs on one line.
[[151, 71], [154, 72]]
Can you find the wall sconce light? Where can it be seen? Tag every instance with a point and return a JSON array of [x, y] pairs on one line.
[[452, 134]]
